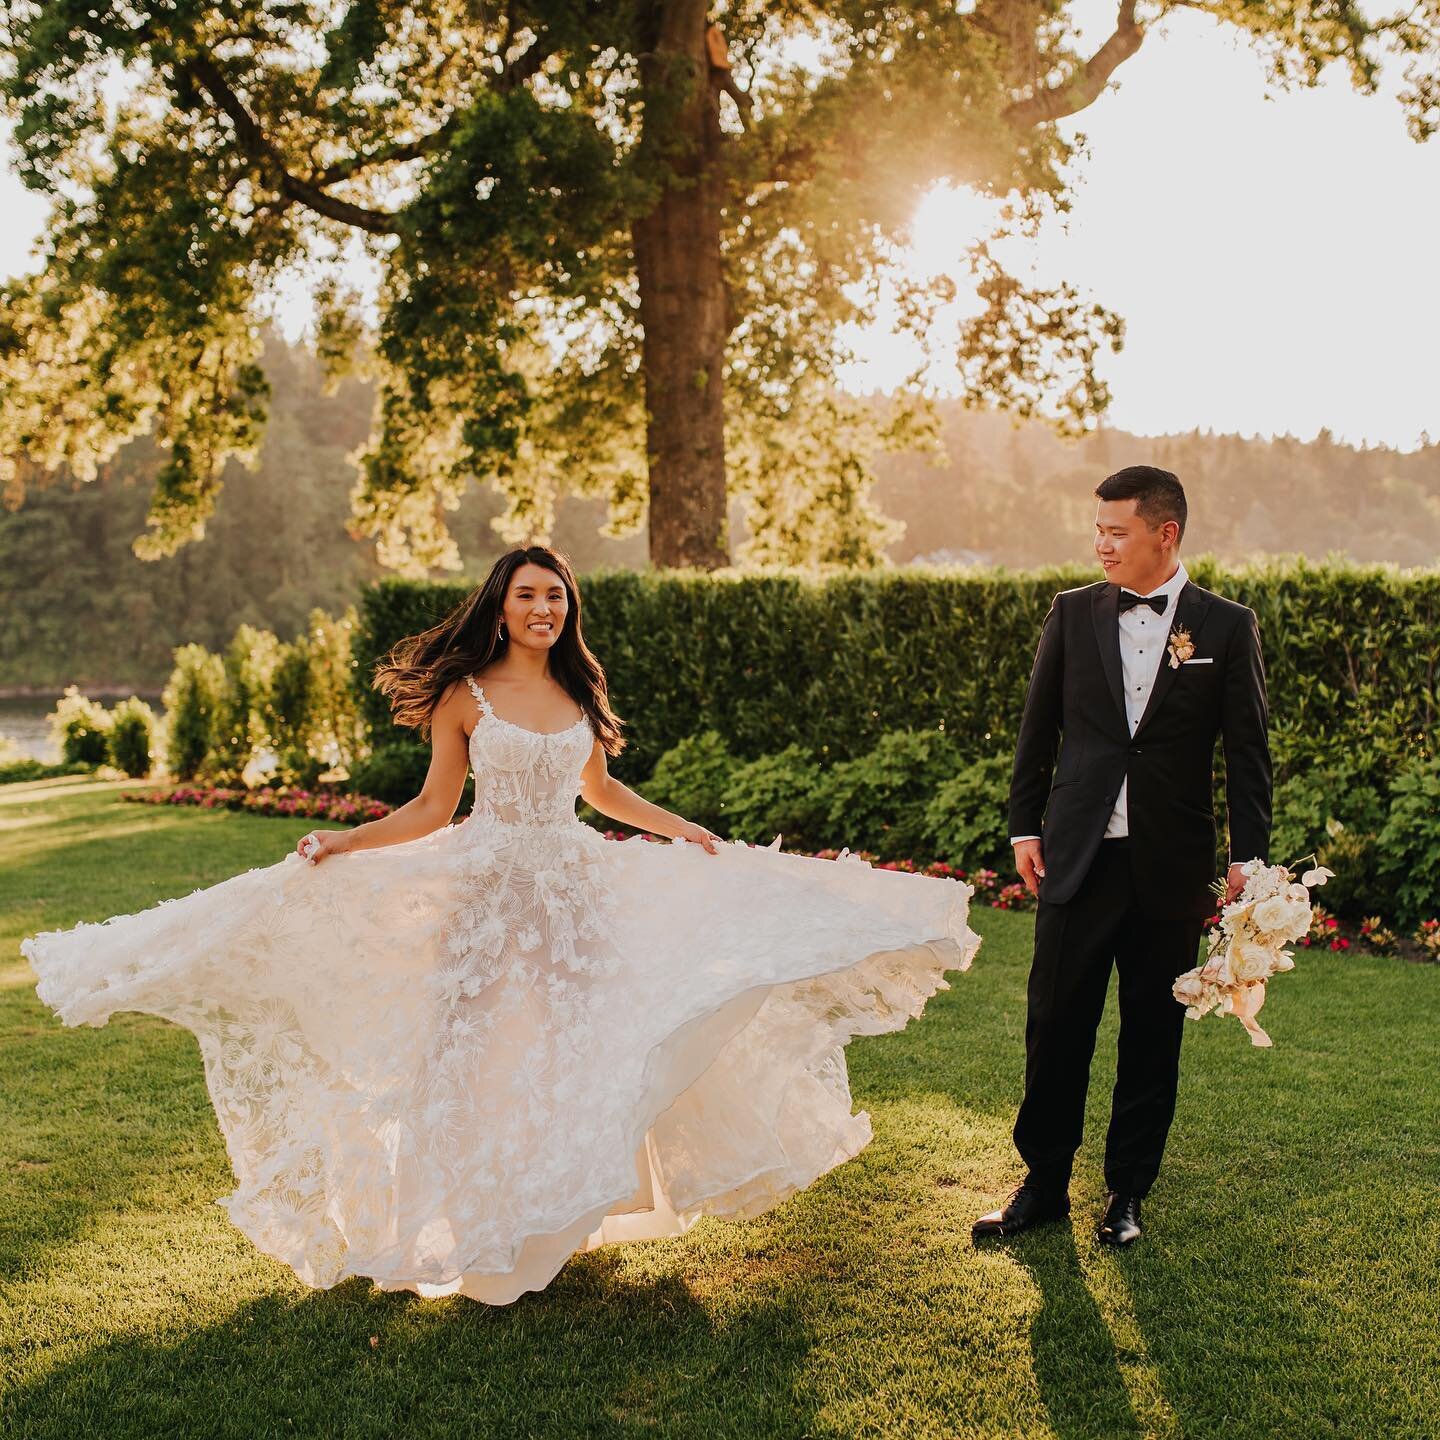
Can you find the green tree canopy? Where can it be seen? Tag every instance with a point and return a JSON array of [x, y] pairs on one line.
[[599, 273]]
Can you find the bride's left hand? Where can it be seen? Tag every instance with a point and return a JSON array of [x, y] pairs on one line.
[[319, 844], [699, 835]]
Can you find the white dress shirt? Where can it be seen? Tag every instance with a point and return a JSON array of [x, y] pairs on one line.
[[1143, 636]]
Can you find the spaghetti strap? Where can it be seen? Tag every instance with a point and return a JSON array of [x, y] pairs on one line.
[[481, 699]]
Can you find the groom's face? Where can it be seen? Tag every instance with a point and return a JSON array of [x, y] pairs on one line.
[[1132, 554]]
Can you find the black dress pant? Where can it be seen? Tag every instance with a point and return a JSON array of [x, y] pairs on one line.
[[1075, 944]]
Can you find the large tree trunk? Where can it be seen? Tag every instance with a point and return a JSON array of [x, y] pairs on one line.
[[682, 297]]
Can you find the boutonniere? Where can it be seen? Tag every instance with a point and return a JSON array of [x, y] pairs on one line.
[[1182, 647]]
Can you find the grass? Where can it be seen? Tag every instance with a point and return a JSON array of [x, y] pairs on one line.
[[1286, 1286]]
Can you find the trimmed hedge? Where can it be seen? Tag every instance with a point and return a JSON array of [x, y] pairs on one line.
[[830, 665], [789, 679]]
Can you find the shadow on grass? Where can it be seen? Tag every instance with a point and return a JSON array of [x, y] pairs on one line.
[[595, 1354], [1077, 1367]]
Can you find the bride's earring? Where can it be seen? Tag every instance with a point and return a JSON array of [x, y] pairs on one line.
[[500, 633]]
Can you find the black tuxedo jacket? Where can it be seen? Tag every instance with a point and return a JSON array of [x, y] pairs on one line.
[[1075, 748]]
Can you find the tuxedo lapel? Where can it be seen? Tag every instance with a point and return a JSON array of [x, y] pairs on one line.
[[1105, 613], [1190, 607]]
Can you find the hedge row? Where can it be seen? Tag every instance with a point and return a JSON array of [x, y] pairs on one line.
[[830, 665], [815, 674]]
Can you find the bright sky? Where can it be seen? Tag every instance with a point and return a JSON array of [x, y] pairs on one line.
[[1272, 257]]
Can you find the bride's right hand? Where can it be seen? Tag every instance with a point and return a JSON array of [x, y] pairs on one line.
[[319, 844]]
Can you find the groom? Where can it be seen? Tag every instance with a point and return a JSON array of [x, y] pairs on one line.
[[1111, 819]]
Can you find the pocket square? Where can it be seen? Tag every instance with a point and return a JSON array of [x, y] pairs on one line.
[[1208, 660]]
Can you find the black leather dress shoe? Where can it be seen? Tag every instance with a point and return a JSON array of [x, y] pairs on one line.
[[1120, 1224], [1026, 1208]]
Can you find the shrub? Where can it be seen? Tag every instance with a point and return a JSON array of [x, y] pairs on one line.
[[289, 711], [967, 819], [879, 801], [81, 728], [779, 794], [393, 773], [241, 728], [132, 737], [1332, 810], [693, 780], [310, 709], [336, 731], [1409, 843], [1313, 796], [192, 702]]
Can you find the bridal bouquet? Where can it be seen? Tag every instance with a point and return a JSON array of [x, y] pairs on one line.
[[1247, 947]]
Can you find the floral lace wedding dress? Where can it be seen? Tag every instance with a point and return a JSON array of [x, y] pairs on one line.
[[450, 1064]]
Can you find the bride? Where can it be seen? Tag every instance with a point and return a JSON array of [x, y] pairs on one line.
[[449, 1056]]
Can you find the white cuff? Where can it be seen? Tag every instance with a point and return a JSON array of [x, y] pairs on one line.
[[1016, 839]]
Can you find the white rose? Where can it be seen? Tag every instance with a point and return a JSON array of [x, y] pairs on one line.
[[1272, 914], [1282, 917], [1189, 989], [1299, 922], [1249, 961]]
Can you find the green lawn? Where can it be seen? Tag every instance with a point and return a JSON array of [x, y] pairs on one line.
[[1288, 1285]]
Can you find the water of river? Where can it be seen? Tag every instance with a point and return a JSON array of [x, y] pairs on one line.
[[23, 720]]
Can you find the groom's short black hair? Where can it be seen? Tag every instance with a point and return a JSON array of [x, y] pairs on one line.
[[1158, 495]]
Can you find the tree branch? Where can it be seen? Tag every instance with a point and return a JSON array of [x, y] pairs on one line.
[[388, 155], [252, 140], [511, 77], [1085, 85]]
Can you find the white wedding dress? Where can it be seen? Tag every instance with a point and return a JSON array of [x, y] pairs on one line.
[[450, 1064]]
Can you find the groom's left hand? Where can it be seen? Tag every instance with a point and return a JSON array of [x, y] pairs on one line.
[[1234, 883]]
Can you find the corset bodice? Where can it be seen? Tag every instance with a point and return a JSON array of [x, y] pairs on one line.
[[525, 777]]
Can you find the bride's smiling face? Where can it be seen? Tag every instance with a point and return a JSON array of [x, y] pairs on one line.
[[535, 607]]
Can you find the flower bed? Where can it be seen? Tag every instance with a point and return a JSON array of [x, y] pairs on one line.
[[986, 882], [1371, 936], [304, 804]]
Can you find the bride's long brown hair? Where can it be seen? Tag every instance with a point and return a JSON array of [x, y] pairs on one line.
[[417, 671]]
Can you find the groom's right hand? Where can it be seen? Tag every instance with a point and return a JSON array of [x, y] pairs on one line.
[[1030, 863]]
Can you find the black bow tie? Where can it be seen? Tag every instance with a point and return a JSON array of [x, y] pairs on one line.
[[1129, 600]]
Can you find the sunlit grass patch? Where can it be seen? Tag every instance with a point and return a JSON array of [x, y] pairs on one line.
[[1286, 1285]]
